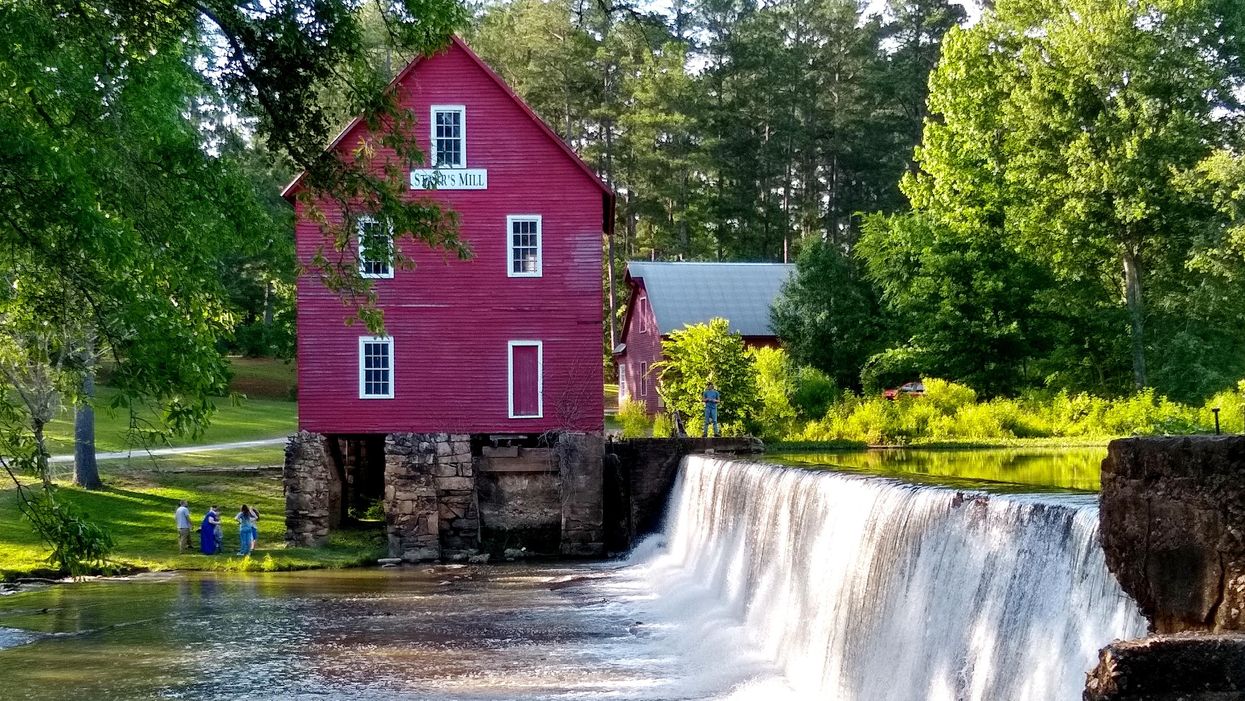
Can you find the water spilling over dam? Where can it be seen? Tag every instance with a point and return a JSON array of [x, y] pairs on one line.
[[768, 583], [862, 588]]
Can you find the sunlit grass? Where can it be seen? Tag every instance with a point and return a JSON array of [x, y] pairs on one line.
[[138, 511]]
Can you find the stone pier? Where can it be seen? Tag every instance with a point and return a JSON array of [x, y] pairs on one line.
[[310, 482], [1172, 523]]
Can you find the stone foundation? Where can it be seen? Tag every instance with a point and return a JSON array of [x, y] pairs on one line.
[[450, 496], [310, 483]]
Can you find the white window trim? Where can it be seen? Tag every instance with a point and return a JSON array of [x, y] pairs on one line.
[[393, 375], [644, 380], [622, 382], [540, 378], [358, 234], [540, 244], [462, 136]]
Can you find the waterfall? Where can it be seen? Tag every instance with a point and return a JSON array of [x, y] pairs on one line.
[[862, 588]]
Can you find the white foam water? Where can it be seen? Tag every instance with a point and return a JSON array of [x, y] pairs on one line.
[[805, 584]]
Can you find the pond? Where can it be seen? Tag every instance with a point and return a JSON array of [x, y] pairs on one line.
[[810, 591], [436, 632], [995, 470]]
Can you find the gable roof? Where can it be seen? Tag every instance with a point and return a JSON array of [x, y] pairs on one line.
[[457, 42], [692, 293]]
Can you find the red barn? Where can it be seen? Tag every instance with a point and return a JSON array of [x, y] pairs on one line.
[[505, 343], [666, 297]]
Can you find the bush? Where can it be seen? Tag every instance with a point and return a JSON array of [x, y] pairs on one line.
[[634, 418], [775, 385], [948, 397], [703, 353], [814, 393], [663, 427]]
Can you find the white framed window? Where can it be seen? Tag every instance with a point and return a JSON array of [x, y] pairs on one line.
[[525, 380], [523, 239], [641, 308], [643, 379], [622, 382], [375, 367], [375, 248], [449, 136]]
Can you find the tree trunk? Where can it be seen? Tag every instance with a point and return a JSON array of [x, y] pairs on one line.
[[1132, 299], [85, 469], [41, 457]]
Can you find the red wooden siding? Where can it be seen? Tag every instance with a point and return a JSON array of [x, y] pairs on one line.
[[452, 321], [643, 347]]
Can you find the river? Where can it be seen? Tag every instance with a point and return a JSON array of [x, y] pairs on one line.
[[769, 583]]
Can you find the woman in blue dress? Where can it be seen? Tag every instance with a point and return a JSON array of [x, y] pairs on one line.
[[208, 542]]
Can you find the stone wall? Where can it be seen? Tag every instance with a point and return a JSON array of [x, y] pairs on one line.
[[520, 500], [1173, 528], [579, 457], [640, 475], [310, 483], [430, 499], [567, 494]]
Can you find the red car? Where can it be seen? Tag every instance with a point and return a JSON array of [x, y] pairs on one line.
[[911, 389]]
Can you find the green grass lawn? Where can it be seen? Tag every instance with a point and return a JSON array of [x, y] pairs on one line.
[[138, 510], [234, 420], [264, 378]]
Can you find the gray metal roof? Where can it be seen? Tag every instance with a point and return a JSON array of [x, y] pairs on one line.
[[681, 294]]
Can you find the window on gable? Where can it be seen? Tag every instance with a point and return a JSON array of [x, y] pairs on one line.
[[641, 308], [375, 367], [449, 136], [643, 379], [523, 245], [375, 248]]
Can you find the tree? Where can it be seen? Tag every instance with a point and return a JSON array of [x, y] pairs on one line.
[[828, 314], [703, 353], [1062, 127], [117, 204]]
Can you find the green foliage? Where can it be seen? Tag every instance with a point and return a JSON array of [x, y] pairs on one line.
[[952, 412], [828, 314], [1070, 224], [776, 386], [663, 427], [892, 368], [79, 546], [703, 353], [814, 393], [633, 417]]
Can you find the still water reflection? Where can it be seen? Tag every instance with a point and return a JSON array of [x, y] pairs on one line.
[[993, 470], [487, 632]]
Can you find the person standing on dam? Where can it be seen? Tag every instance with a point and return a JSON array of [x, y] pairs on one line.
[[711, 398]]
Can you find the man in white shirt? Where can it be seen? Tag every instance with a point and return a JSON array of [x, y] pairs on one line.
[[182, 516]]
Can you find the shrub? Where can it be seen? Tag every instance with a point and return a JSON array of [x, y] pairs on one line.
[[702, 353], [775, 385], [663, 427], [948, 397], [813, 394], [634, 418]]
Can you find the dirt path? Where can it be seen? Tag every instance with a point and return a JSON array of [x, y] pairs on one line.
[[180, 450]]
